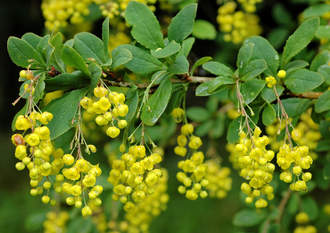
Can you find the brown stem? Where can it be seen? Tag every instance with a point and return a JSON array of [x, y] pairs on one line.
[[282, 205], [197, 79], [308, 95]]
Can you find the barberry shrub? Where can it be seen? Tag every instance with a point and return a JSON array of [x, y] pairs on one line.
[[275, 110]]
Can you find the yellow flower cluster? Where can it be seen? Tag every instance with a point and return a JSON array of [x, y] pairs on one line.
[[84, 175], [271, 81], [113, 8], [249, 5], [134, 176], [109, 107], [36, 151], [219, 179], [254, 161], [307, 128], [60, 12], [301, 160], [194, 168], [55, 222], [303, 218], [237, 25], [139, 220]]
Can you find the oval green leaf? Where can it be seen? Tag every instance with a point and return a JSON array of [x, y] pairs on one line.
[[146, 28], [248, 218], [72, 58], [182, 24], [157, 103], [323, 102], [303, 80], [299, 39]]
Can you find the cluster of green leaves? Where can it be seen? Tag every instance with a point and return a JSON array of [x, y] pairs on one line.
[[88, 54], [257, 59]]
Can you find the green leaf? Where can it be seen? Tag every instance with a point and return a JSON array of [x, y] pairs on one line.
[[293, 204], [310, 207], [72, 58], [182, 24], [299, 39], [32, 39], [200, 62], [322, 183], [320, 59], [63, 110], [268, 94], [268, 115], [218, 69], [323, 32], [35, 220], [204, 30], [160, 76], [294, 65], [294, 106], [42, 45], [218, 82], [316, 10], [253, 69], [180, 66], [120, 57], [248, 218], [251, 89], [146, 28], [324, 129], [39, 89], [157, 103], [326, 170], [281, 15], [233, 130], [81, 225], [57, 62], [243, 58], [75, 80], [323, 145], [186, 47], [105, 36], [177, 92], [89, 46], [198, 114], [142, 62], [323, 102], [325, 72], [202, 89], [69, 43], [132, 104], [264, 50], [96, 73], [303, 80], [203, 128], [218, 126], [49, 53], [21, 51], [277, 36], [169, 50]]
